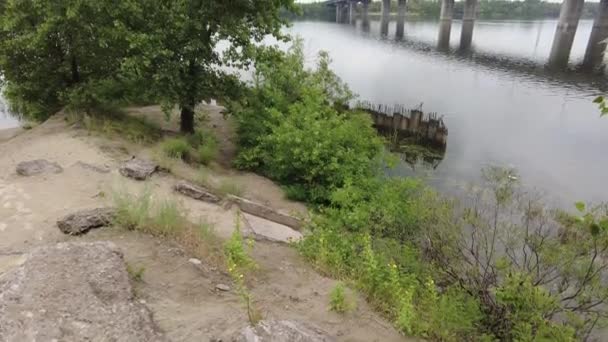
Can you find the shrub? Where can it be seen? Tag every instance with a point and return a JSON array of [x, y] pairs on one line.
[[176, 148], [338, 301], [293, 131]]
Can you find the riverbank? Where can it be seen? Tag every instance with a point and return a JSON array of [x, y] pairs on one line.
[[182, 296]]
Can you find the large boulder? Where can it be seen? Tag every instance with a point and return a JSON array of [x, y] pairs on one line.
[[139, 169], [38, 166], [195, 192], [85, 220], [73, 292], [281, 331]]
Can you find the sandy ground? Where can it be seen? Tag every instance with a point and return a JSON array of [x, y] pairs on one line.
[[181, 295]]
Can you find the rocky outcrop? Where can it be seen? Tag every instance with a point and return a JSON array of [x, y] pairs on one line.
[[38, 166], [73, 292], [196, 192], [85, 220], [281, 331], [263, 211], [138, 169]]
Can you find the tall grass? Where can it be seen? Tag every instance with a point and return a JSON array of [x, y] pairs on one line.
[[166, 219]]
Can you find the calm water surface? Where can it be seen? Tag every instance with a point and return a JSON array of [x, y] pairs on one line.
[[501, 104], [6, 119]]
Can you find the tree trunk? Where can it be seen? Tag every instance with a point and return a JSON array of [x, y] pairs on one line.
[[75, 73], [187, 119]]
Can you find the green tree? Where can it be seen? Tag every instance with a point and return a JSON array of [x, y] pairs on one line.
[[187, 45], [50, 49]]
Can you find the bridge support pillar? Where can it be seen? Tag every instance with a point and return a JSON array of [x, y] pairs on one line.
[[400, 18], [468, 22], [338, 12], [351, 12], [386, 10], [594, 55], [564, 34], [365, 15], [445, 24]]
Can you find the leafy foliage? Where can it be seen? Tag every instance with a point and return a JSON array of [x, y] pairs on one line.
[[56, 52], [293, 130], [178, 47], [601, 102]]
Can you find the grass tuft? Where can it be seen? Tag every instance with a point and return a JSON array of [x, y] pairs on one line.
[[136, 273], [338, 300], [230, 187], [119, 124], [167, 219], [177, 148]]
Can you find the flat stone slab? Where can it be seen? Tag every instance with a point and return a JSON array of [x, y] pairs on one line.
[[36, 167], [196, 192], [262, 229], [73, 292], [281, 331], [268, 213], [85, 220], [138, 169]]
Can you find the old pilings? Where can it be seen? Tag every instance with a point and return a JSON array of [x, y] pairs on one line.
[[404, 123]]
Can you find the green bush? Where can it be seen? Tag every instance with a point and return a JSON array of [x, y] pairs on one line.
[[176, 148], [293, 131]]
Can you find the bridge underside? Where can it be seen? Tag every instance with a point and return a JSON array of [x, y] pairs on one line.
[[571, 10]]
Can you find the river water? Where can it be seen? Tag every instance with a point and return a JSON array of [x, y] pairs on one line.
[[501, 104]]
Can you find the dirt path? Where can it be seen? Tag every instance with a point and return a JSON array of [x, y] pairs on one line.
[[181, 295]]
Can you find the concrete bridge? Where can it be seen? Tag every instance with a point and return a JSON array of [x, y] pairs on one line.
[[570, 14]]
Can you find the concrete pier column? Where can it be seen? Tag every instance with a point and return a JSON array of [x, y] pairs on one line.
[[400, 18], [345, 16], [468, 22], [445, 24], [386, 10], [351, 12], [564, 34], [365, 15], [339, 12], [594, 55]]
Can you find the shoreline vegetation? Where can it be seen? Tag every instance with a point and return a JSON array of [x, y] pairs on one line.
[[497, 265], [429, 9]]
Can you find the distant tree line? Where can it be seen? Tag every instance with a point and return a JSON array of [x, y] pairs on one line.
[[486, 9]]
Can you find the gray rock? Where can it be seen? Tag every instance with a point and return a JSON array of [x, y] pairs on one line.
[[85, 220], [222, 287], [95, 168], [195, 192], [38, 166], [281, 331], [73, 292], [138, 169]]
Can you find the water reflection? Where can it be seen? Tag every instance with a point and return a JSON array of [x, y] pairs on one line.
[[502, 104], [7, 118]]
